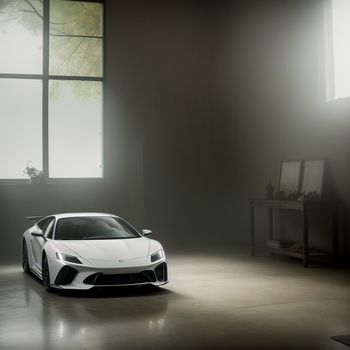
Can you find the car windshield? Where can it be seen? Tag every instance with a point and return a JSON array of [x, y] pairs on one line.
[[89, 227]]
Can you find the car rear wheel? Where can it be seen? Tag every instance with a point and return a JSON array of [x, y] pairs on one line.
[[25, 262], [46, 274]]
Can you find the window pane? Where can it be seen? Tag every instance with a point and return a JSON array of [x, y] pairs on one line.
[[74, 56], [21, 36], [20, 126], [75, 129], [75, 38]]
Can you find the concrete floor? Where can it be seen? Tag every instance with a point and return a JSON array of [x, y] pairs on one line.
[[211, 302]]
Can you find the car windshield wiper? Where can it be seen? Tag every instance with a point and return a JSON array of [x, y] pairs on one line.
[[87, 238], [96, 238]]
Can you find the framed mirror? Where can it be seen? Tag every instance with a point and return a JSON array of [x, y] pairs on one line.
[[313, 178], [289, 185]]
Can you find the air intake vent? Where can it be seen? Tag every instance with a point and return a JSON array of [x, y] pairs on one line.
[[161, 272], [66, 275]]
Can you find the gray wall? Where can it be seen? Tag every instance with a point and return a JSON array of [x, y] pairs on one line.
[[174, 50], [203, 100], [273, 84]]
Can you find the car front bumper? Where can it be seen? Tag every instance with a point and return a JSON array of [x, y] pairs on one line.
[[74, 276]]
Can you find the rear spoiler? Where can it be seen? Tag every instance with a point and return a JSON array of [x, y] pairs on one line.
[[34, 218]]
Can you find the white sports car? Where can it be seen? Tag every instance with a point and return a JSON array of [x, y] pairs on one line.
[[86, 250]]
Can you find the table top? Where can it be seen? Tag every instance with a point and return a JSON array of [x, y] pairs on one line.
[[286, 204]]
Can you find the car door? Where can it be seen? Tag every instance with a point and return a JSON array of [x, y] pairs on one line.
[[37, 243]]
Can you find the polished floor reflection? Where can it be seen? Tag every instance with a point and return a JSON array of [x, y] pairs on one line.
[[211, 302]]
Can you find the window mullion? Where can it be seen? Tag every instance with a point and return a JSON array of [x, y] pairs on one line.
[[46, 53]]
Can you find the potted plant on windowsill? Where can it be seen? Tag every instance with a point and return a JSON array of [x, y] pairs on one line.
[[35, 175]]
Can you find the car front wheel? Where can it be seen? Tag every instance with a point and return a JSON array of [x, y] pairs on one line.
[[46, 274]]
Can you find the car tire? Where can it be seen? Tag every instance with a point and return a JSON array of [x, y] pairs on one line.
[[25, 261], [46, 274]]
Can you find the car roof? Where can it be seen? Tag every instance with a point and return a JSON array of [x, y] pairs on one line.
[[73, 215]]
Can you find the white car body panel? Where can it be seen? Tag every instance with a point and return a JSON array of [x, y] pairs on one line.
[[100, 251], [101, 256]]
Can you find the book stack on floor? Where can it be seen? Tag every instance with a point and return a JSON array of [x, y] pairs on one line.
[[280, 244]]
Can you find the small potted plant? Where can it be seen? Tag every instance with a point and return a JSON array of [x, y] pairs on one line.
[[35, 175]]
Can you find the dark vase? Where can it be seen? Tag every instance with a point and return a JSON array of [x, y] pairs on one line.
[[35, 180]]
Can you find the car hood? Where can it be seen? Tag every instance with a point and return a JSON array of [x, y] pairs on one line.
[[110, 249]]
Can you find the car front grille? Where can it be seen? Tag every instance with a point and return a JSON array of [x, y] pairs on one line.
[[100, 279]]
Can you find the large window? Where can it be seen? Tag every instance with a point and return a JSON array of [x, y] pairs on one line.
[[51, 84], [338, 48]]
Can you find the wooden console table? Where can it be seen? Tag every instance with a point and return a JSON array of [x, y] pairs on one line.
[[304, 207]]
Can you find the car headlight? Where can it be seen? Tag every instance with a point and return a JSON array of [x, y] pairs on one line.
[[157, 256], [68, 258]]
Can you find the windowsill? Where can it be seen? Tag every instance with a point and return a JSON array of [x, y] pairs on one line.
[[15, 182], [73, 181], [52, 181]]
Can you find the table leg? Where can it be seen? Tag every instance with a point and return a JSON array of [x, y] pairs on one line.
[[305, 239], [270, 223], [334, 234], [251, 221]]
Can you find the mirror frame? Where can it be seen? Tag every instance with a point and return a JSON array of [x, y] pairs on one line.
[[146, 232], [37, 233]]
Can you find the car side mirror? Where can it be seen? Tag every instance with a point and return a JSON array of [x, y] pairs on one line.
[[146, 232], [37, 233]]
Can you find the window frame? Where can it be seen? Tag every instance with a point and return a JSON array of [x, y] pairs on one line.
[[45, 77], [328, 52], [330, 92]]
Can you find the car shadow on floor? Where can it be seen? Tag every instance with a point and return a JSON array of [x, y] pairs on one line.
[[113, 292]]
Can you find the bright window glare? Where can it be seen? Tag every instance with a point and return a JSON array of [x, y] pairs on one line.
[[20, 126], [341, 47], [75, 129]]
